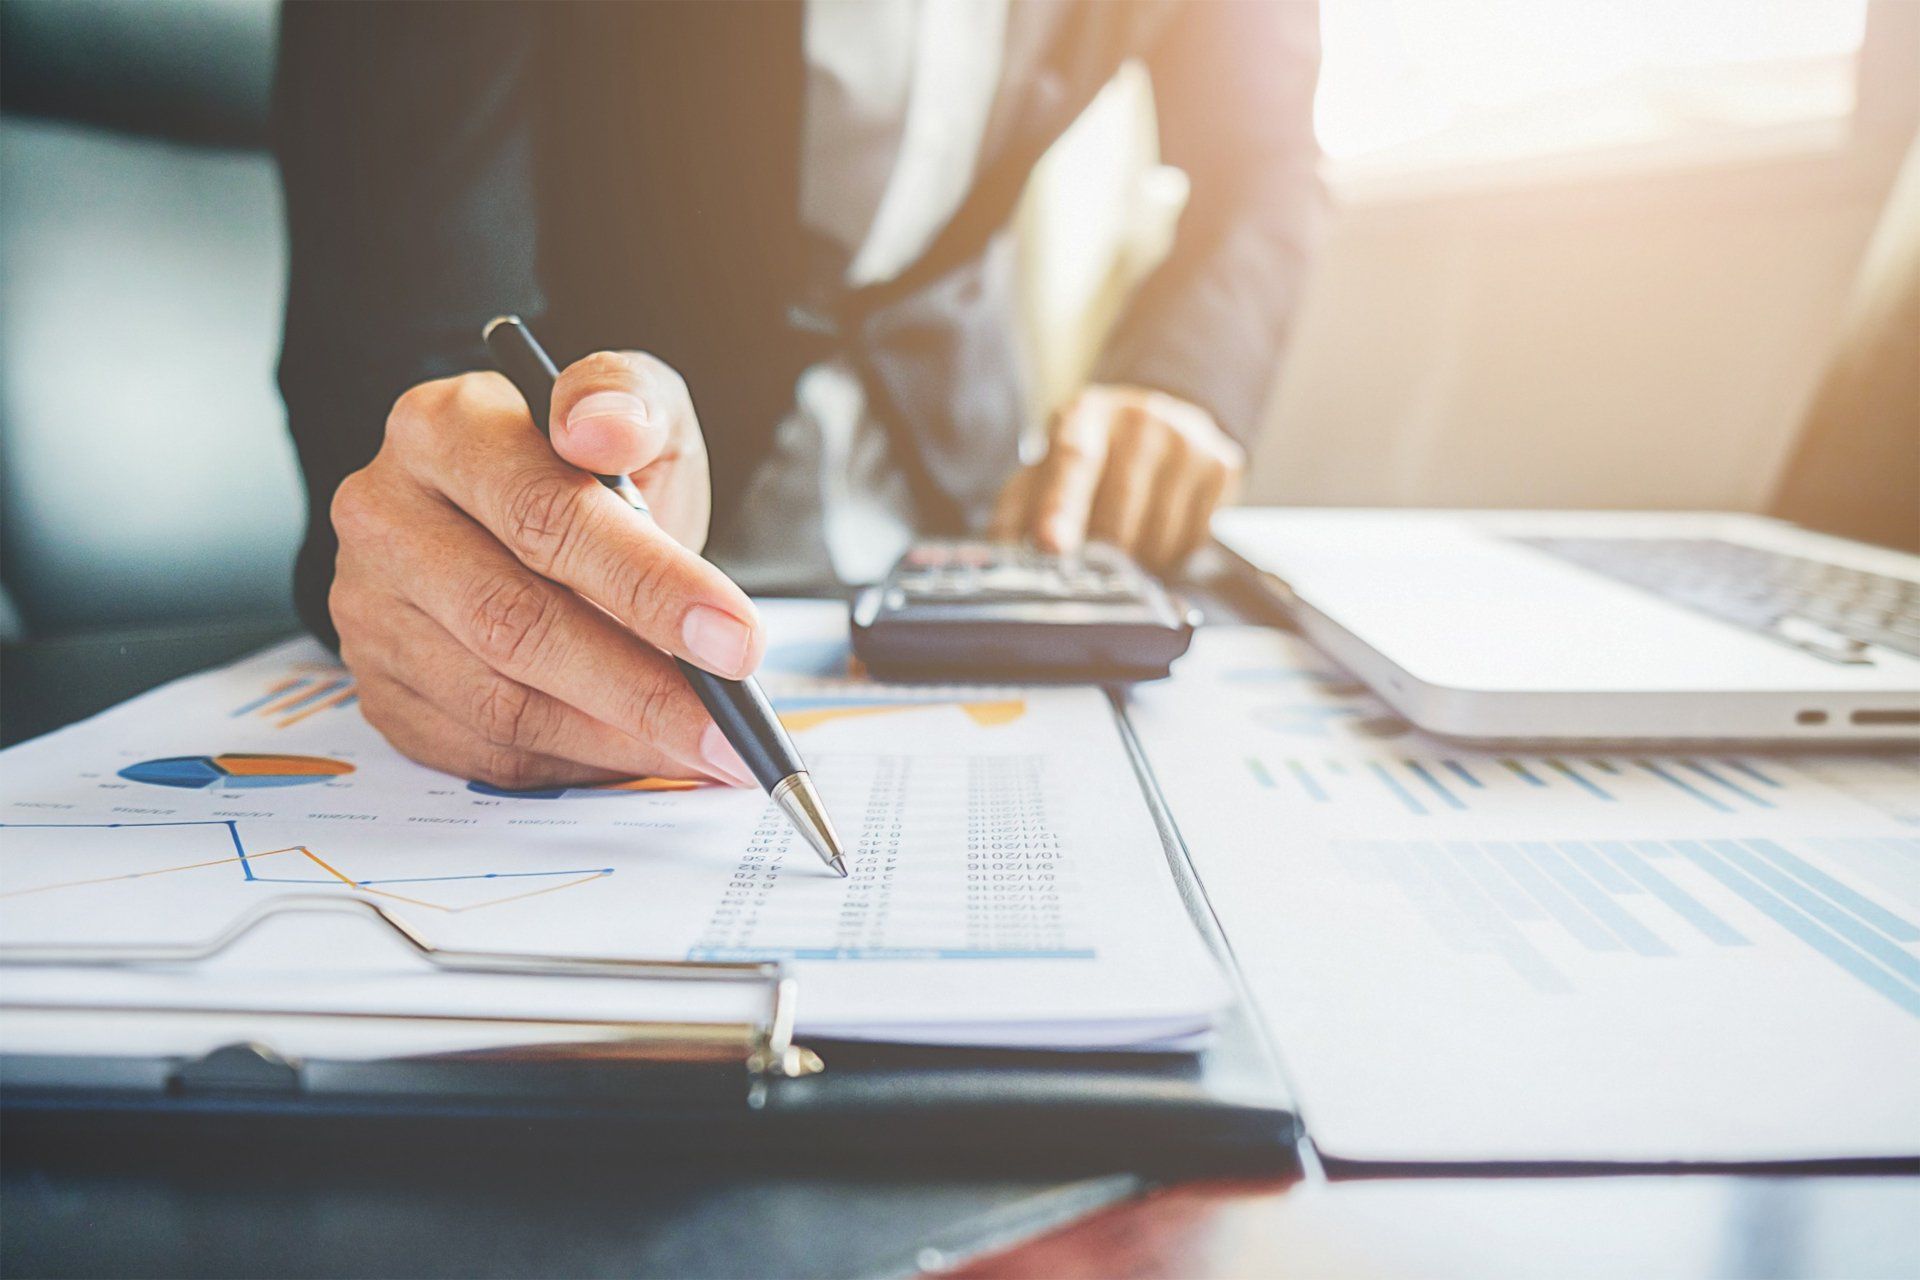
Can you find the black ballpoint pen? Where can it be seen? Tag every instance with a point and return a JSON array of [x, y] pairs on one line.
[[739, 707]]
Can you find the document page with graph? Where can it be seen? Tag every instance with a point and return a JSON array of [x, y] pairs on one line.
[[1576, 956], [1007, 884]]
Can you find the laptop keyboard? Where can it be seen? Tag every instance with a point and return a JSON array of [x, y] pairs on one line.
[[1826, 609]]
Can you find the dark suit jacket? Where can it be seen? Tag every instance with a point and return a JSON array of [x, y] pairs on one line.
[[629, 175]]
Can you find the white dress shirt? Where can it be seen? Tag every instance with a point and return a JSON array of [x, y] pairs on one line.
[[897, 97]]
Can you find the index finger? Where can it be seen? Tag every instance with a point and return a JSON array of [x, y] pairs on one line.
[[486, 457], [1064, 489]]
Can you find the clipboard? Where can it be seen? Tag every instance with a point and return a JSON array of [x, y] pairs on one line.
[[689, 1088]]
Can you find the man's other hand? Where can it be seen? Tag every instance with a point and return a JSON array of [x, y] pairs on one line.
[[1136, 468], [505, 615]]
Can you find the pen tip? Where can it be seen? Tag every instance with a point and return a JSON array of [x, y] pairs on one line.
[[796, 796]]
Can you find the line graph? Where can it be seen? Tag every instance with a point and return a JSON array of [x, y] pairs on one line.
[[296, 857]]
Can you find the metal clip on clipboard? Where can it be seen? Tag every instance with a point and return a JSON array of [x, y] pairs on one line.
[[764, 1048]]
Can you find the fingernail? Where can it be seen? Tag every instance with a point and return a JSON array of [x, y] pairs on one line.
[[1061, 533], [608, 404], [717, 641], [723, 759]]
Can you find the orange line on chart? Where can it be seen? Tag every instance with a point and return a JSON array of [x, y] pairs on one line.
[[432, 906], [347, 880], [325, 866], [281, 704], [140, 875], [331, 700], [277, 689], [322, 863]]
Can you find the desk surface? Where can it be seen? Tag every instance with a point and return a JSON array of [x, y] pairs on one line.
[[1857, 1227], [524, 1206]]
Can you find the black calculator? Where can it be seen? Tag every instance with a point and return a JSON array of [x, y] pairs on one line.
[[1007, 611]]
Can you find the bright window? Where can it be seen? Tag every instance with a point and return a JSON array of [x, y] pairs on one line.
[[1419, 83]]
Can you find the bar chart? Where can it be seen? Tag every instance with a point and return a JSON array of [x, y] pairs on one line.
[[1423, 786], [300, 696], [1848, 902]]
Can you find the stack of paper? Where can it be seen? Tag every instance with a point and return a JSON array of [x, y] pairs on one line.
[[1007, 883], [1471, 956]]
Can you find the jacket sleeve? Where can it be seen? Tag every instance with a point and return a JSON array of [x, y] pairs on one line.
[[403, 133], [1233, 87]]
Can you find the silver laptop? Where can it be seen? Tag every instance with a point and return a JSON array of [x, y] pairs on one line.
[[1602, 627]]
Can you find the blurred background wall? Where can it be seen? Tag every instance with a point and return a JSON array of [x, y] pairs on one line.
[[1575, 254], [145, 471]]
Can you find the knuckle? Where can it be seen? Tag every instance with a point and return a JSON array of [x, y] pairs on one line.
[[416, 411], [657, 374], [354, 511], [500, 711], [343, 606], [1137, 427], [512, 616], [650, 710], [382, 711], [471, 394], [378, 712], [542, 516], [643, 590], [1075, 452], [602, 368], [504, 767]]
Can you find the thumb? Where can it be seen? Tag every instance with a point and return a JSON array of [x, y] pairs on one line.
[[607, 414]]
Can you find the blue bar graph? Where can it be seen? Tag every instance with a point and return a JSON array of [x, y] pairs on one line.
[[1439, 786], [1584, 929], [1604, 873], [1863, 938], [1398, 788], [1598, 904], [1521, 771], [1678, 900], [1620, 902], [1873, 913], [1580, 779], [1508, 896], [1752, 771], [1489, 923], [1745, 794], [1682, 785], [1308, 783], [1783, 914], [1434, 784]]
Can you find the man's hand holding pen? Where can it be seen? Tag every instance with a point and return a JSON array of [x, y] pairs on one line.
[[509, 619], [505, 615]]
